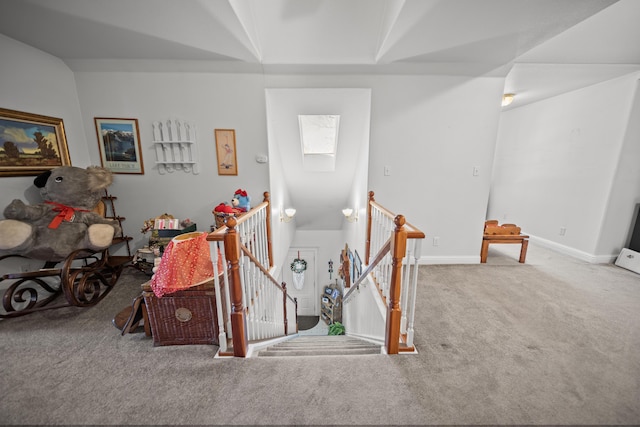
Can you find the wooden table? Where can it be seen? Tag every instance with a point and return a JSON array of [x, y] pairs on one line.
[[489, 239]]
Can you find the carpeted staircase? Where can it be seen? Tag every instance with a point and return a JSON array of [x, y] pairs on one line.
[[321, 345]]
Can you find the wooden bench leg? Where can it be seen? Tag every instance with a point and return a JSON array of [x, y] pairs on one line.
[[523, 250], [484, 251]]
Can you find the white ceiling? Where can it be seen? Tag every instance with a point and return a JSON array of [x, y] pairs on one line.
[[544, 47]]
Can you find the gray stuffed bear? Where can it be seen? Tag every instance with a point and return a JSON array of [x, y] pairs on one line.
[[64, 222]]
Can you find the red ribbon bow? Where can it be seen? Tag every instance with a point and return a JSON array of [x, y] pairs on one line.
[[241, 192], [65, 213]]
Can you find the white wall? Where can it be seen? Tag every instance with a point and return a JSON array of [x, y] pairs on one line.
[[212, 101], [555, 166], [36, 82], [282, 232], [329, 244], [625, 189], [431, 131], [355, 233]]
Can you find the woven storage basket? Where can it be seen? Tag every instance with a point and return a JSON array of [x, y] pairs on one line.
[[183, 317], [220, 218]]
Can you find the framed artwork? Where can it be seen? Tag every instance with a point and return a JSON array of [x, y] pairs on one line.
[[119, 143], [226, 151], [358, 263], [352, 267], [31, 144]]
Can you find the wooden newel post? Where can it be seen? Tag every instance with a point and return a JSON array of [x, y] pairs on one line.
[[394, 313], [238, 315], [284, 307]]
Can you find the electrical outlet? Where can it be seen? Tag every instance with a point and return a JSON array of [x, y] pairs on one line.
[[436, 241], [476, 170], [387, 171], [563, 230]]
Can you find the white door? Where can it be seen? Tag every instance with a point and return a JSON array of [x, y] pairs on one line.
[[303, 287]]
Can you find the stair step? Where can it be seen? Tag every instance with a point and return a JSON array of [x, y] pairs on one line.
[[321, 346], [319, 352], [295, 345]]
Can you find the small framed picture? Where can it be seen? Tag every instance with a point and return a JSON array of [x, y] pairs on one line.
[[358, 263], [226, 151], [119, 143], [31, 144]]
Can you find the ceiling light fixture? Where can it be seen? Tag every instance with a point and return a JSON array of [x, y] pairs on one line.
[[350, 215], [507, 99], [287, 215]]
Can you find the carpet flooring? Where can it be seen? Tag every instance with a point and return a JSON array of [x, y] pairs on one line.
[[553, 341]]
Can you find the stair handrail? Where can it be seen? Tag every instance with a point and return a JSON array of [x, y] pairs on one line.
[[282, 287], [393, 240], [367, 271]]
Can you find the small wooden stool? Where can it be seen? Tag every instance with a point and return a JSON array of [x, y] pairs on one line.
[[505, 233], [488, 239]]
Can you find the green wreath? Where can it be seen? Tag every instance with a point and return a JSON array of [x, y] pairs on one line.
[[298, 265]]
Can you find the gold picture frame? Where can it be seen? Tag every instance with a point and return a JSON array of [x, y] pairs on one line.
[[31, 143], [119, 144], [226, 151]]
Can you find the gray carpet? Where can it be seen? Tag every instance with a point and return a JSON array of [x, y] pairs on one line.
[[555, 341]]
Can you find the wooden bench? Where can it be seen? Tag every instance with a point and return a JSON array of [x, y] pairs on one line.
[[511, 236]]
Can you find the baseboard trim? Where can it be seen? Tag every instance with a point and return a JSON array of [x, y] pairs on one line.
[[557, 247], [572, 252]]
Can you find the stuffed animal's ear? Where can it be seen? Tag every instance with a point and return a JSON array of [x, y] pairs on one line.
[[99, 178]]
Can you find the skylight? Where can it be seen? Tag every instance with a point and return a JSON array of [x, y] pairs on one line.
[[319, 133]]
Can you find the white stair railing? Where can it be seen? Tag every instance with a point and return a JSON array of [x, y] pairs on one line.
[[385, 227], [261, 306]]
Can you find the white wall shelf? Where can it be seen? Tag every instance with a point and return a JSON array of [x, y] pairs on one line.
[[175, 145]]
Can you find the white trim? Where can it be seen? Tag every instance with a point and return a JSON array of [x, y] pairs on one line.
[[572, 252], [563, 249]]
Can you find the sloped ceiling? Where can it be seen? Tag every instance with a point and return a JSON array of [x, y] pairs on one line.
[[455, 37]]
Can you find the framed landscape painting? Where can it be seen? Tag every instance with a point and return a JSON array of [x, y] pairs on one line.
[[31, 144], [119, 143]]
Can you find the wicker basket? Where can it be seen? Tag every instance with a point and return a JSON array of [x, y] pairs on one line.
[[220, 217], [183, 317]]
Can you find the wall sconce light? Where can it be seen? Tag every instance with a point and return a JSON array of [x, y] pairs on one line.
[[507, 99], [350, 215], [287, 215]]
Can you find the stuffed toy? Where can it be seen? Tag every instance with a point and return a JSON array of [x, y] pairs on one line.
[[241, 201], [63, 222], [223, 208]]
